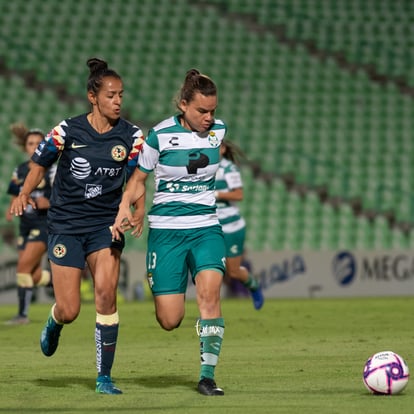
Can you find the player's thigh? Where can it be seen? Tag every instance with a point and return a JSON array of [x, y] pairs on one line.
[[207, 251], [66, 288], [31, 256], [104, 266], [67, 261], [170, 309], [167, 270]]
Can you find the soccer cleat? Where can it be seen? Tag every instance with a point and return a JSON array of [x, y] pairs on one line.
[[207, 386], [257, 296], [49, 338], [18, 320], [104, 385]]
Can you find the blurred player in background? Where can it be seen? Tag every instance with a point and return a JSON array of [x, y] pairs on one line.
[[95, 152], [184, 232], [32, 238], [229, 191]]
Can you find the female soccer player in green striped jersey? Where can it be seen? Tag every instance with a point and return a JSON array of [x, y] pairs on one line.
[[229, 191], [185, 236]]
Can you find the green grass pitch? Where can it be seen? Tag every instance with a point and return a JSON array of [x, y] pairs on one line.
[[293, 356]]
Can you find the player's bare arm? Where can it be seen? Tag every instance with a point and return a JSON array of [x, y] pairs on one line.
[[134, 195], [32, 180]]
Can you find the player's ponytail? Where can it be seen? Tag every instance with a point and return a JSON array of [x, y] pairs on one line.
[[98, 69], [21, 133], [96, 65], [232, 152], [195, 82]]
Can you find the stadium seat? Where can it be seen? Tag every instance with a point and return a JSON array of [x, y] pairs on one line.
[[292, 111]]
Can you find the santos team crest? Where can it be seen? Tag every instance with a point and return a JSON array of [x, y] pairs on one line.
[[212, 139]]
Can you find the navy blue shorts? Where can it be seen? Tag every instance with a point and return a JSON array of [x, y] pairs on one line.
[[72, 250], [32, 234]]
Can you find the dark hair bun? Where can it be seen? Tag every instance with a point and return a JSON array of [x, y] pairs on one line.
[[96, 65], [192, 73]]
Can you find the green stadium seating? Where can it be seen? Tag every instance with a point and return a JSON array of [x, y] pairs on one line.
[[290, 110]]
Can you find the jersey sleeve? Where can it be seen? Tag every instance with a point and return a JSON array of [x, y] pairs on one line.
[[136, 149], [51, 147], [149, 155], [233, 178]]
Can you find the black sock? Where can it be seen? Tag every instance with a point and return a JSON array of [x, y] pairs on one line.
[[105, 337], [24, 295]]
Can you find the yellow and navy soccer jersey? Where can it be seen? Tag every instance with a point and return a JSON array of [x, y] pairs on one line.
[[91, 171], [31, 218], [184, 163], [228, 178]]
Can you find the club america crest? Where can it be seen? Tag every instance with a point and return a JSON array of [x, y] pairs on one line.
[[59, 251], [119, 153]]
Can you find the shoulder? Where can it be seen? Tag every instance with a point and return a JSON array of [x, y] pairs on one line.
[[162, 129], [75, 121], [129, 132], [219, 124], [218, 129], [229, 166], [128, 125], [24, 164], [62, 127], [22, 167], [168, 124]]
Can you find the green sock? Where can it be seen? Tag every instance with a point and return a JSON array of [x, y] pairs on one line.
[[211, 337], [251, 283]]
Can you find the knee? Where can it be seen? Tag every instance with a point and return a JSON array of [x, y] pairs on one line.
[[232, 273], [235, 271], [105, 301], [169, 323], [67, 314]]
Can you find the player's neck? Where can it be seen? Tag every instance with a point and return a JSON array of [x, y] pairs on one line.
[[99, 124]]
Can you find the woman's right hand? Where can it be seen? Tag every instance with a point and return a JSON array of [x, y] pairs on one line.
[[123, 222], [19, 204]]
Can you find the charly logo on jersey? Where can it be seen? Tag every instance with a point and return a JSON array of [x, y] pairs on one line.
[[174, 141], [119, 152], [344, 268], [59, 250], [212, 139], [80, 168], [234, 249]]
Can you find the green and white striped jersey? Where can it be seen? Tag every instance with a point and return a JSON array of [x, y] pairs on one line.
[[228, 178], [184, 164]]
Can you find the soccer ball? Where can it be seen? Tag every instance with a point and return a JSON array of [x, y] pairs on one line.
[[386, 373]]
